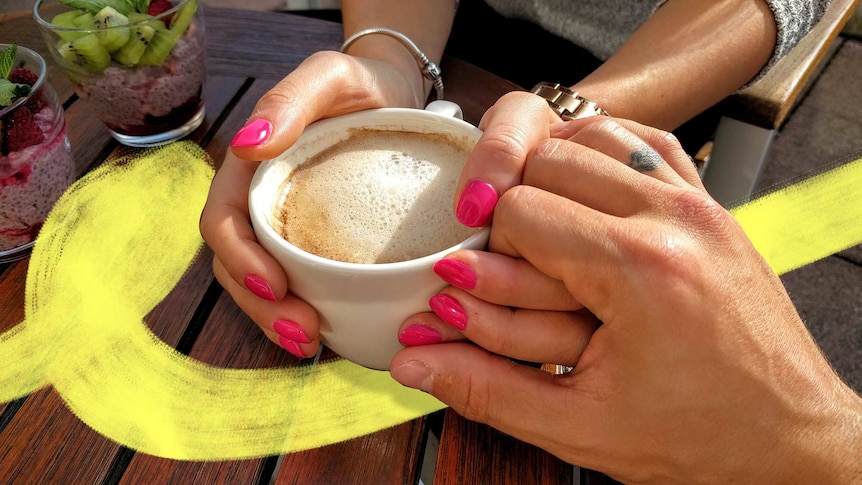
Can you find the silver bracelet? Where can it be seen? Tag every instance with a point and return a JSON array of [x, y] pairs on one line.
[[429, 69]]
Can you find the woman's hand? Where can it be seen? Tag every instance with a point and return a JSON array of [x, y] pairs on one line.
[[690, 361], [511, 128], [326, 84]]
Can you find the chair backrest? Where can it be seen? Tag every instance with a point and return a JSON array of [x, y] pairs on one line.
[[767, 102]]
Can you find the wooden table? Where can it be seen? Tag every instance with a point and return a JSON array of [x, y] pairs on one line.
[[41, 441]]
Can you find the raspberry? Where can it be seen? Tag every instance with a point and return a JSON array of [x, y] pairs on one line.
[[22, 131], [22, 75], [158, 7]]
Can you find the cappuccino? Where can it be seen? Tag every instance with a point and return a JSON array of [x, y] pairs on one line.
[[376, 197]]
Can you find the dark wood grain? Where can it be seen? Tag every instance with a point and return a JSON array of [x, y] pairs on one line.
[[392, 456], [270, 45], [233, 121], [474, 453], [12, 295], [767, 102], [46, 443], [12, 299], [472, 88]]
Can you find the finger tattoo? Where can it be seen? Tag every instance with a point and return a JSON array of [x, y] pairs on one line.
[[645, 159]]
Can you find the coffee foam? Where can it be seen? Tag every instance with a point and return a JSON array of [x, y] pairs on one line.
[[376, 197]]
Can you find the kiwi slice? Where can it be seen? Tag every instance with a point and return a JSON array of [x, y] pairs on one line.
[[136, 17], [184, 17], [112, 35], [130, 53], [66, 19], [84, 21], [163, 42], [84, 53]]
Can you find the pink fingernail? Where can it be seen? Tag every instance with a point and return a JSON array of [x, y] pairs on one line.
[[259, 287], [419, 335], [476, 204], [291, 346], [252, 134], [449, 310], [456, 272], [290, 330]]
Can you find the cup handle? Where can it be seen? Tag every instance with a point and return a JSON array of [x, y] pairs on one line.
[[447, 108]]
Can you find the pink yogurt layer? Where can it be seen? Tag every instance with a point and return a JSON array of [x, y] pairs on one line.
[[31, 181]]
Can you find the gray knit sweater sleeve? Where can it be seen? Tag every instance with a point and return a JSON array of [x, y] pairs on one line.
[[602, 26], [794, 18]]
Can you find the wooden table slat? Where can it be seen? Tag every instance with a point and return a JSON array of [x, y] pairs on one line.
[[475, 453], [277, 43], [46, 443]]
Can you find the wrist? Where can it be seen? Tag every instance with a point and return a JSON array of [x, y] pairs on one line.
[[401, 56], [827, 449]]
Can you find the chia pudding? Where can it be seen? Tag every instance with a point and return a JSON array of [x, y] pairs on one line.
[[138, 64], [145, 100], [31, 181], [36, 164]]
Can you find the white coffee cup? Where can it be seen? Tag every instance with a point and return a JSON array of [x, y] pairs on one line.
[[360, 306]]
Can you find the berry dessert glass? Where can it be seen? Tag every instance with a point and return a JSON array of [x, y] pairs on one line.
[[139, 64], [36, 164]]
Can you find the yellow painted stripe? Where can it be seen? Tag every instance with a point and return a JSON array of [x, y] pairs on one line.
[[112, 248], [807, 221]]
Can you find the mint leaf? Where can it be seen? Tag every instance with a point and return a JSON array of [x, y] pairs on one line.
[[125, 7], [7, 60], [10, 91]]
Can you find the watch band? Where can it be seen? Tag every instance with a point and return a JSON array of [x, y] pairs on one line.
[[567, 103]]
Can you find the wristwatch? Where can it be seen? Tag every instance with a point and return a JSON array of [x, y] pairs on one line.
[[567, 103]]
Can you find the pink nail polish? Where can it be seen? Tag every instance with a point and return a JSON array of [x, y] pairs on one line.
[[449, 310], [259, 287], [476, 204], [290, 330], [252, 134], [419, 335], [456, 273], [291, 346]]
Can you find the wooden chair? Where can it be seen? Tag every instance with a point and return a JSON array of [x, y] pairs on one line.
[[752, 117]]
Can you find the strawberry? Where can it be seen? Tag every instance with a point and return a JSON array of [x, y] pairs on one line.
[[22, 131], [158, 7], [22, 75]]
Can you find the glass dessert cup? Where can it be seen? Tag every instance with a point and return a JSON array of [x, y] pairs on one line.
[[142, 74], [36, 164]]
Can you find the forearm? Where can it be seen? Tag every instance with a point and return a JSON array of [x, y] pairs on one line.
[[686, 58], [427, 23]]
